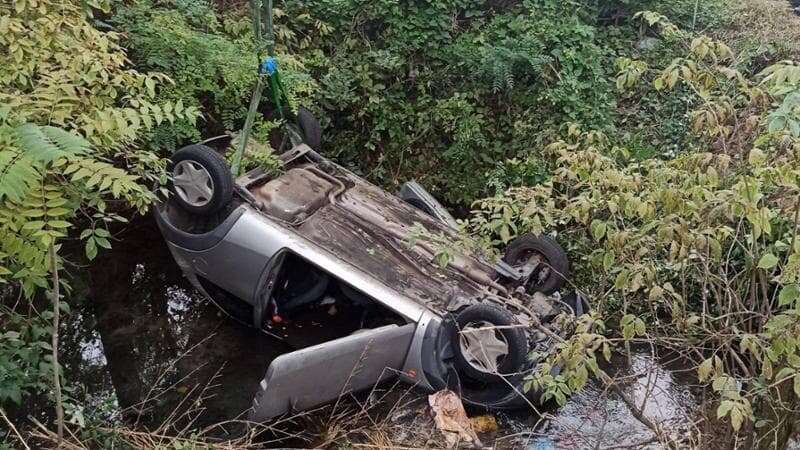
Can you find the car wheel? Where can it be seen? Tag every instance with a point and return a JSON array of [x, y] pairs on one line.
[[201, 180], [486, 343], [553, 269], [312, 130]]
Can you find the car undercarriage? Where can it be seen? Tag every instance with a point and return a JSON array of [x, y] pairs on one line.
[[318, 241]]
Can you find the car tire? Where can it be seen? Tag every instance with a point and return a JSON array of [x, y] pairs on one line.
[[553, 254], [207, 186], [312, 130], [513, 337], [577, 303]]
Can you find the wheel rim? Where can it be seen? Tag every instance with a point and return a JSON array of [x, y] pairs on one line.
[[541, 273], [192, 183], [484, 347]]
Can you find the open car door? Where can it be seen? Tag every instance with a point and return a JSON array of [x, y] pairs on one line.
[[316, 375]]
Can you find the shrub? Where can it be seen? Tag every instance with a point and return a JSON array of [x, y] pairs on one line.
[[699, 251], [72, 115]]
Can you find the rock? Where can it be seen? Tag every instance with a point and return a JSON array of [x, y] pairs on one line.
[[648, 43]]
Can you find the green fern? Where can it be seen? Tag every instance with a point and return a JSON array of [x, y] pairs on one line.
[[17, 172], [32, 148], [46, 143]]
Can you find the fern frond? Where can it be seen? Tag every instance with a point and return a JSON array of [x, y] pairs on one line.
[[46, 143], [32, 148], [18, 174]]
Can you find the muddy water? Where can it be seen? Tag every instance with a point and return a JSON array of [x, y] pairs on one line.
[[595, 418], [143, 347]]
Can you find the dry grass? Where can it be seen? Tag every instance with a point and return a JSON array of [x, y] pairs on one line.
[[390, 418]]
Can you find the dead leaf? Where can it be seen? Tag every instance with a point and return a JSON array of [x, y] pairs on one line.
[[484, 424]]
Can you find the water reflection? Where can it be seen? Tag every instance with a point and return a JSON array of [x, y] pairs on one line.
[[143, 346], [596, 418], [142, 342]]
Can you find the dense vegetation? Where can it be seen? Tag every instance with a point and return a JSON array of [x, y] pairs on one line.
[[665, 160], [445, 91]]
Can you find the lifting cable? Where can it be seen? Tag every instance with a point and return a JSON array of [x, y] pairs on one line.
[[267, 69]]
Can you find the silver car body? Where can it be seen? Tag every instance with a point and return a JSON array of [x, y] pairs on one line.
[[371, 241]]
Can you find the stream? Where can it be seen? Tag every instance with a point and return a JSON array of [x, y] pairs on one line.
[[141, 346]]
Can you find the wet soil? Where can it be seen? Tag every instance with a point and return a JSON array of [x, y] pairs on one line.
[[143, 347]]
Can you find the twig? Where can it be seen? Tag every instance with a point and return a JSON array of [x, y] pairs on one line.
[[654, 427], [636, 445], [14, 429], [353, 372], [796, 221], [609, 382], [56, 318]]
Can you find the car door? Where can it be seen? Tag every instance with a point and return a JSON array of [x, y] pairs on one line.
[[316, 375]]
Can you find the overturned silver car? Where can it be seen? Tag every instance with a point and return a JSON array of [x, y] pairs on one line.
[[317, 237]]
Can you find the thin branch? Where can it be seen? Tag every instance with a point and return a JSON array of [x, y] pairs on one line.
[[14, 429], [56, 318]]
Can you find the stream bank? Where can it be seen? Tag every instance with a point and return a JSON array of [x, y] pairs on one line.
[[144, 349]]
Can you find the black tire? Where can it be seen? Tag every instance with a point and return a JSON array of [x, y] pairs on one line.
[[312, 130], [514, 337], [577, 303], [553, 254], [219, 172]]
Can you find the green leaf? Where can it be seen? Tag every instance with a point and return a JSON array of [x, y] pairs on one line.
[[621, 282], [58, 212], [102, 242], [608, 259], [723, 383], [598, 229], [46, 143], [724, 408], [606, 351], [737, 418], [757, 157], [59, 224], [59, 201], [151, 86], [797, 384], [640, 327], [33, 225], [766, 369], [784, 374], [91, 249], [788, 295], [505, 234], [704, 369], [768, 261]]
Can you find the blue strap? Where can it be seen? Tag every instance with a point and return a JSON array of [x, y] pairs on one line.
[[268, 67]]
